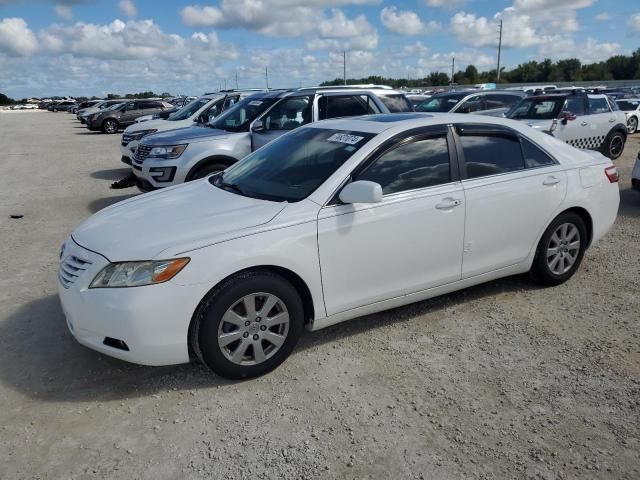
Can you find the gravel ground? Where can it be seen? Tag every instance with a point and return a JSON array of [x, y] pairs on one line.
[[504, 380]]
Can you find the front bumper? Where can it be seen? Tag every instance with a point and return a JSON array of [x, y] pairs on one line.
[[153, 173], [129, 148], [152, 321]]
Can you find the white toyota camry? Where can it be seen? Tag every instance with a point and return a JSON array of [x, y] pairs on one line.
[[332, 221]]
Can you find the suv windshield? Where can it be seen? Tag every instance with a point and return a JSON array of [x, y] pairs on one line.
[[441, 103], [537, 108], [236, 118], [395, 102], [189, 109], [293, 166], [628, 104]]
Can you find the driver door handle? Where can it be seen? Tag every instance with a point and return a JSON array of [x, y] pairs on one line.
[[550, 181], [448, 203], [611, 120]]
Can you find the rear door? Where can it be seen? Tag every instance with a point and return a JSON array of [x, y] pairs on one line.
[[284, 116], [576, 132], [601, 120], [512, 188]]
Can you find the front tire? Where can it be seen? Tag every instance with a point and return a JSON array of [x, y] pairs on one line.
[[110, 126], [206, 170], [560, 250], [248, 325], [613, 145], [632, 125]]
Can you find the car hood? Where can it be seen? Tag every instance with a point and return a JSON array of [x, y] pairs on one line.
[[158, 124], [181, 218], [184, 135]]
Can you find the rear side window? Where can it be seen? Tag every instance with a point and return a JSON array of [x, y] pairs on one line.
[[491, 154], [396, 103], [419, 164], [533, 156], [334, 106]]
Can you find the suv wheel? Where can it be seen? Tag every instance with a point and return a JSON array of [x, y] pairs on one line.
[[560, 250], [206, 170], [110, 126], [248, 325], [613, 145], [632, 125]]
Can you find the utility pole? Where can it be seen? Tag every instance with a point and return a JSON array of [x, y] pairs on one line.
[[266, 74], [225, 83], [236, 80], [453, 67], [344, 66], [499, 50]]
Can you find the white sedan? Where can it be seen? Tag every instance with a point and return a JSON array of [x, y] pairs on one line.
[[332, 221]]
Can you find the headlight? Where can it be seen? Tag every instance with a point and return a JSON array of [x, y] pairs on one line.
[[172, 151], [143, 133], [137, 274]]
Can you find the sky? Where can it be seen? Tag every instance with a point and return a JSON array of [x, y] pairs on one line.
[[95, 47]]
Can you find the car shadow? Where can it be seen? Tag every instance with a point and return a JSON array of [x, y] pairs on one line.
[[100, 203], [90, 132], [40, 359], [629, 203], [112, 173]]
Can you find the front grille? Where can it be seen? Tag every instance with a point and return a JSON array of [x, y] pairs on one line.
[[71, 268], [142, 152]]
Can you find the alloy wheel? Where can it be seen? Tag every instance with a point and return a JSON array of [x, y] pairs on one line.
[[616, 146], [110, 126], [632, 125], [253, 329], [563, 248]]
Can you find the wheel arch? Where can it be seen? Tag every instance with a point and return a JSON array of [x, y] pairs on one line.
[[224, 159], [586, 217], [298, 283]]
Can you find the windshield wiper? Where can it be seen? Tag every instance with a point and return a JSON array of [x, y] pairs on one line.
[[231, 186]]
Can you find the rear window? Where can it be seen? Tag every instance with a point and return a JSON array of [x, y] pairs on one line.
[[396, 102]]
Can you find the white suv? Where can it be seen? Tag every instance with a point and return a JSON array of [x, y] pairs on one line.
[[203, 110], [177, 156], [584, 121]]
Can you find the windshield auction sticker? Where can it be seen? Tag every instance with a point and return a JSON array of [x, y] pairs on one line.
[[344, 138]]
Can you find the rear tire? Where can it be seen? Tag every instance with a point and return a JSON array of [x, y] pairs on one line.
[[110, 126], [234, 326], [632, 125], [206, 170], [560, 250], [613, 145]]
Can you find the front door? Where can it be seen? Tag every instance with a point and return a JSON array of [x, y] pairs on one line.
[[409, 242]]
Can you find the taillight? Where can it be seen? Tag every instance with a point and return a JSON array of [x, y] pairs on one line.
[[612, 173]]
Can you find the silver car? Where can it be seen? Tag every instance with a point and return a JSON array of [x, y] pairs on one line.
[[177, 156]]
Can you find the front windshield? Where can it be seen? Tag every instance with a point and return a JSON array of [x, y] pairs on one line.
[[540, 108], [440, 103], [628, 105], [238, 117], [189, 109], [291, 167]]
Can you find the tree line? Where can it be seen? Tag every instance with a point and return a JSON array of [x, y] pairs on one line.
[[619, 67]]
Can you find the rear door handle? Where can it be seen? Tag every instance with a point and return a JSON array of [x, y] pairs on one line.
[[611, 120], [584, 124], [448, 203], [550, 181]]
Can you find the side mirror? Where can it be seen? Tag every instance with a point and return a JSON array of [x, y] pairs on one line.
[[567, 117], [257, 126], [361, 191]]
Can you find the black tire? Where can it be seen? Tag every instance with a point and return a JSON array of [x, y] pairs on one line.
[[206, 323], [110, 126], [613, 145], [632, 125], [541, 271], [206, 170]]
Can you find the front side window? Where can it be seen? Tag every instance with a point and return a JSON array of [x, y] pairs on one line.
[[470, 105], [238, 117], [290, 113], [598, 105], [491, 154], [293, 166], [396, 102], [575, 105], [419, 164], [541, 108], [336, 106]]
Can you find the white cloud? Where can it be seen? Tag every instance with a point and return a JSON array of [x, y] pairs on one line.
[[482, 32], [64, 11], [442, 61], [590, 51], [603, 17], [634, 24], [417, 49], [337, 32], [406, 22], [16, 39], [444, 3], [128, 8]]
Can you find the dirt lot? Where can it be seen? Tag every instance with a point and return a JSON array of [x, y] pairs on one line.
[[503, 380]]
